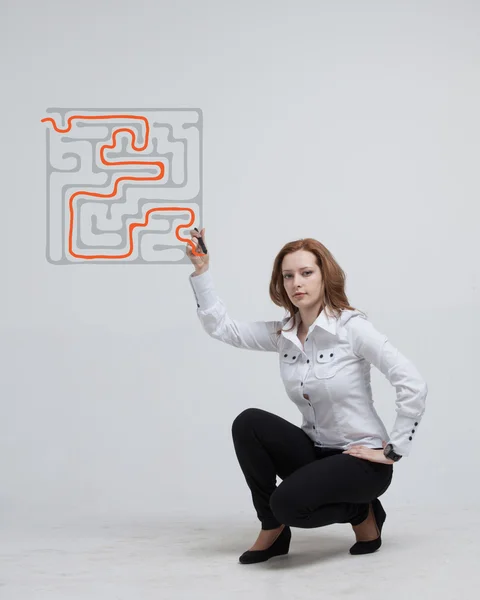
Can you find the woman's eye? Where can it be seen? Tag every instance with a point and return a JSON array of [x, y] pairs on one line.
[[288, 274]]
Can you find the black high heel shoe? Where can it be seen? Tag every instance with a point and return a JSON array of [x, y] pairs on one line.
[[371, 546], [280, 546]]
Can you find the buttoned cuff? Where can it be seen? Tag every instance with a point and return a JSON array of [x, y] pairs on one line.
[[204, 290], [403, 433]]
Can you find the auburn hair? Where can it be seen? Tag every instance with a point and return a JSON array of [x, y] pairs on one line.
[[333, 280]]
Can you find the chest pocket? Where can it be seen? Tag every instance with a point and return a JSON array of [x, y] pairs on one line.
[[289, 363], [328, 362]]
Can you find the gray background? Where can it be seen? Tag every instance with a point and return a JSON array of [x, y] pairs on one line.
[[355, 123]]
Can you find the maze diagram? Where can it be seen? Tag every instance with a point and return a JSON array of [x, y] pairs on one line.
[[122, 184]]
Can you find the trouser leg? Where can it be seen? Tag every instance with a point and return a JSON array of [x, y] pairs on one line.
[[266, 446], [335, 489]]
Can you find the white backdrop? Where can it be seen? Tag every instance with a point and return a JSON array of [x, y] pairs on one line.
[[356, 123]]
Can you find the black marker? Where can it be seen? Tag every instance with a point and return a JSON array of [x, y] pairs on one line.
[[200, 241]]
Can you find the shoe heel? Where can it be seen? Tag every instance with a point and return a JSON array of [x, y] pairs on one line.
[[284, 543], [373, 545], [380, 514]]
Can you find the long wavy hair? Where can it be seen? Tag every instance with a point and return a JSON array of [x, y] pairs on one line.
[[333, 280]]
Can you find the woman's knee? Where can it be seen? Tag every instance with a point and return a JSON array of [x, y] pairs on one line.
[[244, 419]]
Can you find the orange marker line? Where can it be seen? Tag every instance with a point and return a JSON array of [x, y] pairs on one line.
[[160, 175]]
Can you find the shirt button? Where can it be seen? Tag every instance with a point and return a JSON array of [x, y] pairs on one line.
[[416, 424], [301, 383], [314, 426], [198, 305], [308, 360]]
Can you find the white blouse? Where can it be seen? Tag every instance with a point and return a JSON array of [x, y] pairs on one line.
[[329, 378]]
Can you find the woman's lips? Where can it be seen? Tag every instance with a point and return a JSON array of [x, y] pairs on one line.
[[299, 295]]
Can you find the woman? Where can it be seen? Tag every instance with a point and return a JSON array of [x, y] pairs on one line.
[[336, 465]]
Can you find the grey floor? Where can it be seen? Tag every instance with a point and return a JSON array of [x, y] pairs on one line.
[[425, 554]]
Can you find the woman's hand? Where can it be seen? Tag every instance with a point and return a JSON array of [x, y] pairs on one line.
[[369, 454], [199, 260]]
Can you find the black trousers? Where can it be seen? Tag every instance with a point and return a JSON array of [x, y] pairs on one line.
[[319, 486]]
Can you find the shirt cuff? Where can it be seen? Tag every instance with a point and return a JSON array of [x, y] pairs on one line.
[[403, 434], [204, 290]]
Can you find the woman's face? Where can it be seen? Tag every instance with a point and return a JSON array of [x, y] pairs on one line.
[[301, 273]]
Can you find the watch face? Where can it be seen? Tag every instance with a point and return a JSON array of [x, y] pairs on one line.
[[389, 453]]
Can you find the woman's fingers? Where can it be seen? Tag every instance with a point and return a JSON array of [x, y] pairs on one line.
[[195, 235]]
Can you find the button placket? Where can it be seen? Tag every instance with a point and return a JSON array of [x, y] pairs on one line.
[[306, 396]]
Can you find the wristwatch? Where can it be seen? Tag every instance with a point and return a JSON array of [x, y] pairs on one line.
[[389, 453]]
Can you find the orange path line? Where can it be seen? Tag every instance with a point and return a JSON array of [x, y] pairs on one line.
[[160, 175]]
